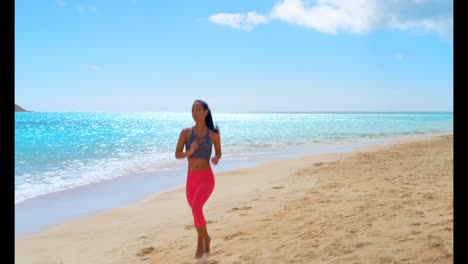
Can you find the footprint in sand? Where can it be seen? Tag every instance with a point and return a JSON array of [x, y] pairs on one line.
[[362, 244], [386, 260], [429, 196], [302, 172], [229, 237], [238, 209], [218, 252], [145, 251], [420, 213], [405, 239], [278, 187]]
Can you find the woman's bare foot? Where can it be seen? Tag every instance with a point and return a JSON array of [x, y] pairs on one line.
[[199, 252], [207, 241]]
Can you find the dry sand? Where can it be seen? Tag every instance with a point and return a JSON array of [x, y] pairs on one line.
[[391, 203]]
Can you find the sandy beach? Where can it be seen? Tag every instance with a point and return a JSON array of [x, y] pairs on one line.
[[391, 203]]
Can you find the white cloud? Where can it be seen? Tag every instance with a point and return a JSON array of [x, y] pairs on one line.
[[244, 22], [81, 9], [61, 3], [328, 16], [95, 67], [399, 57], [354, 16], [78, 8]]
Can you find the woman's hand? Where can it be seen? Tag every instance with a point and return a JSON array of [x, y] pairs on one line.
[[215, 160], [195, 145]]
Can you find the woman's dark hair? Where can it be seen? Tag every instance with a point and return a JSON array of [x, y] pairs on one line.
[[208, 118]]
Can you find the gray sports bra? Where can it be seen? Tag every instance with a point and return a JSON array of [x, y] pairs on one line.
[[204, 148]]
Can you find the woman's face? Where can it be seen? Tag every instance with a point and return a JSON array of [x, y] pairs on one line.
[[198, 113]]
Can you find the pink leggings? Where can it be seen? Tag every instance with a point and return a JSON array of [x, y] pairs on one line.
[[200, 185]]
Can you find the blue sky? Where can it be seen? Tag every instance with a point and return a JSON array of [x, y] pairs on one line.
[[238, 55]]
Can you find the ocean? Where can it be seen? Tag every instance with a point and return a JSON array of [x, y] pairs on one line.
[[60, 151]]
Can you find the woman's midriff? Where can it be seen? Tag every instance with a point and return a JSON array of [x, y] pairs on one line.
[[195, 164]]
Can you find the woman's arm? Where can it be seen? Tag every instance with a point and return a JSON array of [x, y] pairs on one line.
[[217, 144], [179, 154]]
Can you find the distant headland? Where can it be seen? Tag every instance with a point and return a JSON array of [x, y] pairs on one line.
[[20, 109]]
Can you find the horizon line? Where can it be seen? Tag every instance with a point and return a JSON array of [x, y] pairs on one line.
[[247, 112]]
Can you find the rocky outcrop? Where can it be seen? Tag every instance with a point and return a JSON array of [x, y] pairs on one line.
[[19, 109]]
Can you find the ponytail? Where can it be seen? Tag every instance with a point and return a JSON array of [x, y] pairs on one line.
[[209, 122], [208, 119]]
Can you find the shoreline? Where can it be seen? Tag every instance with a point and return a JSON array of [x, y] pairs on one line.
[[152, 230], [91, 199]]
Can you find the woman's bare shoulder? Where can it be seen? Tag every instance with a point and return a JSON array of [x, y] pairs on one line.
[[186, 131], [214, 135]]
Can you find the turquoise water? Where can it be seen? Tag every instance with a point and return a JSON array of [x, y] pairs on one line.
[[57, 151]]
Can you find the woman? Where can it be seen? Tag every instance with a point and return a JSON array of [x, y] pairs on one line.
[[198, 141]]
